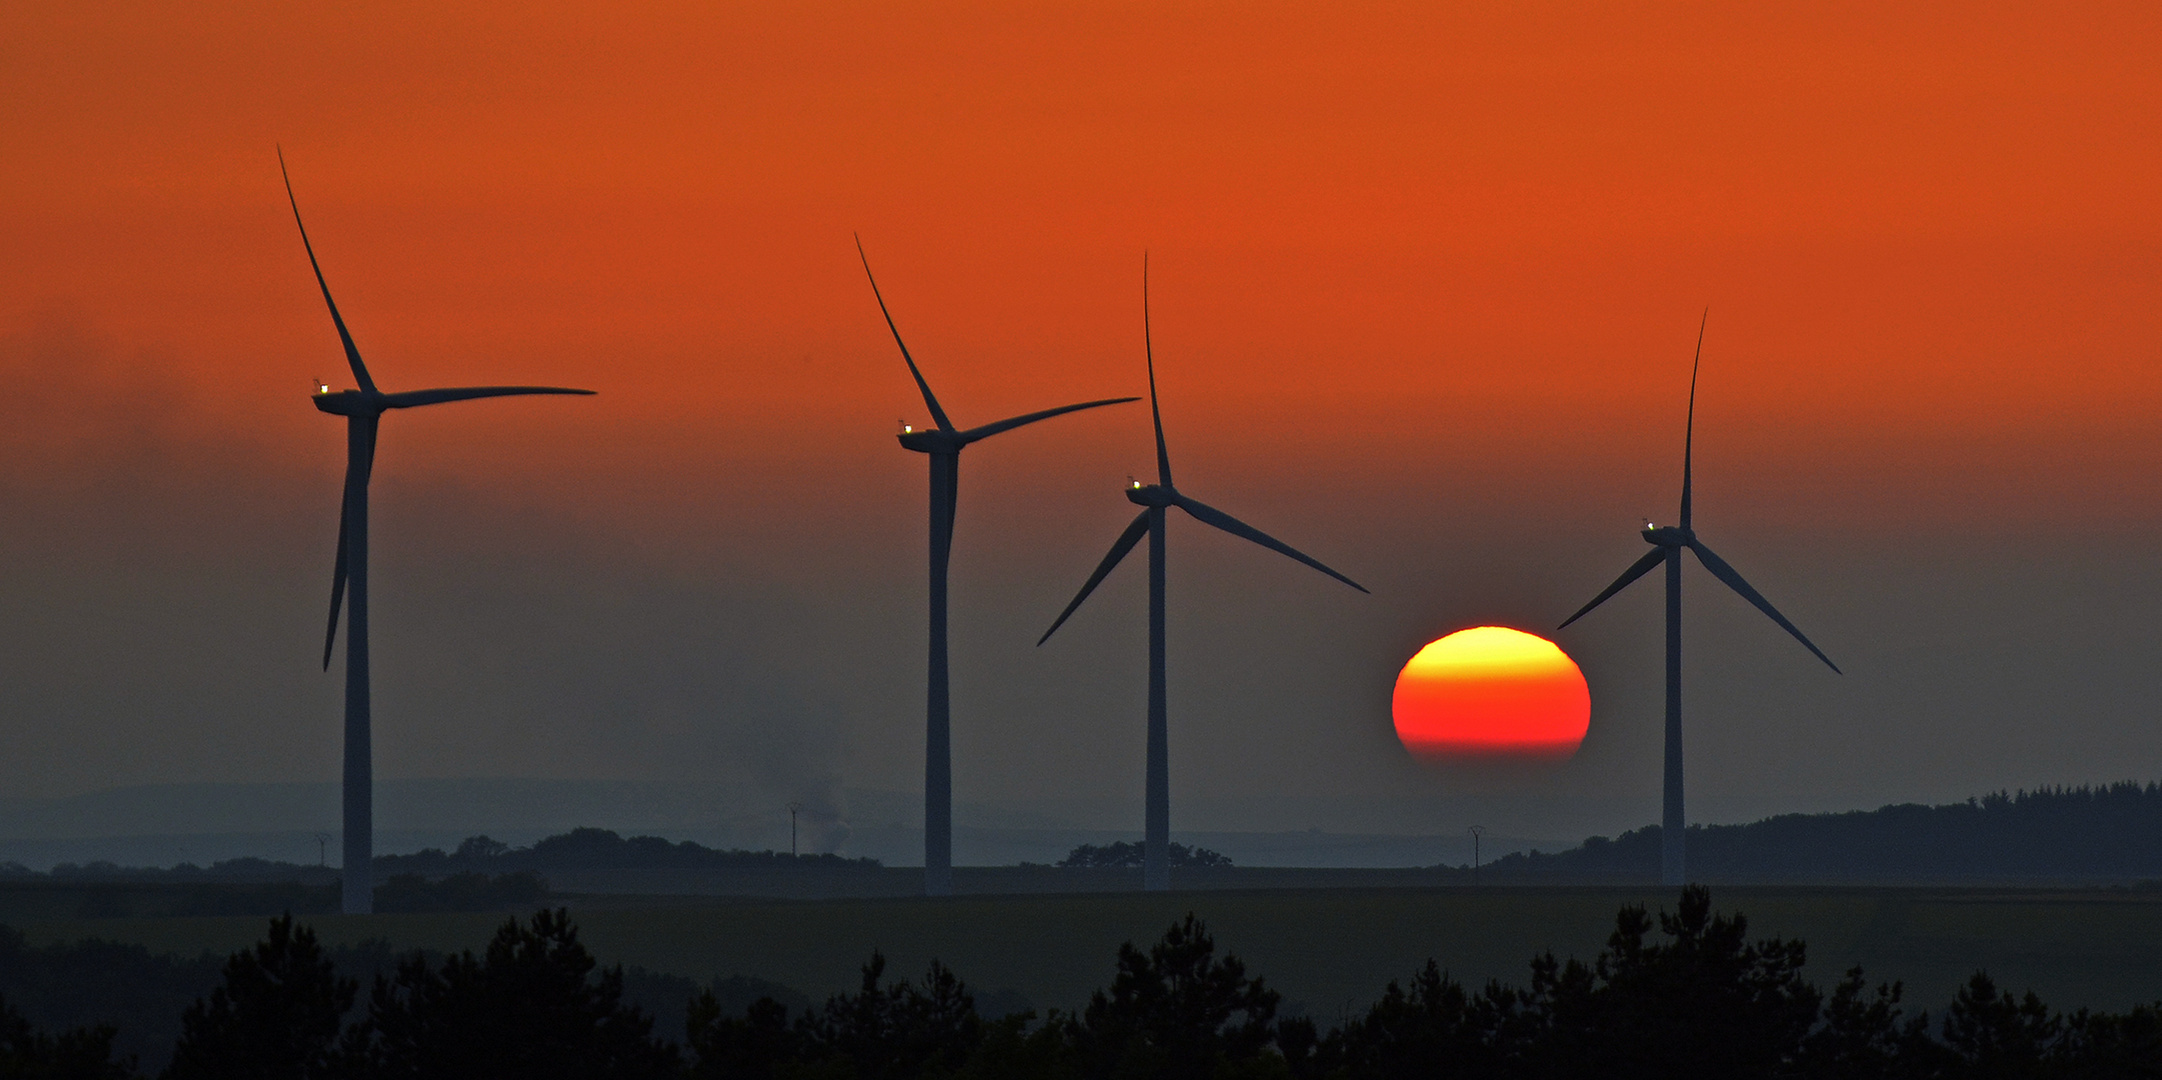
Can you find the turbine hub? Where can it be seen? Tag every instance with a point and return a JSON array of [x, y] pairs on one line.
[[1151, 495], [1669, 536], [349, 403], [932, 441]]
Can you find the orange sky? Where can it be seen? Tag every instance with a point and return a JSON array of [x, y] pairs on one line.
[[1426, 280], [1926, 233]]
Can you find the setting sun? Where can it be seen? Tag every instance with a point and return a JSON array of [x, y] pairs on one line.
[[1491, 693]]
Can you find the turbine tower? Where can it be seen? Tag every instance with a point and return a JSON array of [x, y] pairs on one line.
[[1668, 543], [944, 445], [1155, 499], [362, 409]]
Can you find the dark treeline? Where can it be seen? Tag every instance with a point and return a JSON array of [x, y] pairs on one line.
[[2107, 833], [596, 849], [1680, 994], [578, 849], [141, 994], [1128, 853], [230, 871], [2110, 833]]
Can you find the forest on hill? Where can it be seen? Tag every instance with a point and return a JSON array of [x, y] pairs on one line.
[[597, 849], [578, 849], [2088, 835], [2101, 834]]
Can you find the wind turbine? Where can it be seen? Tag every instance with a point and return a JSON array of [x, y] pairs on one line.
[[944, 445], [1156, 499], [362, 409], [1668, 543]]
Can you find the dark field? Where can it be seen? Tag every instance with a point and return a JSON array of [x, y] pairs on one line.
[[1328, 949]]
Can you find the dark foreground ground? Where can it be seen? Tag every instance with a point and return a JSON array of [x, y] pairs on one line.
[[1328, 949]]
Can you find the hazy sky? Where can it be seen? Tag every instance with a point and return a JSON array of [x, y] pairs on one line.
[[1425, 289]]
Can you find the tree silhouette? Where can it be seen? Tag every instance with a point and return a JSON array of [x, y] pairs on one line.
[[1432, 1030], [1129, 854], [1014, 1050], [750, 1047], [1862, 1036], [276, 1016], [531, 1008], [1682, 994], [1176, 1011], [881, 1032], [1996, 1035], [2114, 1045], [76, 1054], [899, 1030], [481, 847], [1706, 1002]]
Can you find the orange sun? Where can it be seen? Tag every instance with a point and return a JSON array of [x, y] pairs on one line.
[[1491, 693]]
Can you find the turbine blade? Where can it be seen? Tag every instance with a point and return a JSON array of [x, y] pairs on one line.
[[1126, 542], [1636, 570], [413, 398], [930, 399], [988, 430], [1148, 348], [1689, 433], [352, 352], [337, 574], [1209, 515], [1726, 573]]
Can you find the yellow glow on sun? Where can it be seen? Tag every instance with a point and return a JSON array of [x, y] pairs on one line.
[[1487, 651]]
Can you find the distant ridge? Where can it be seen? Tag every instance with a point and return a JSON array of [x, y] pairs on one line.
[[597, 849], [578, 849], [2095, 835]]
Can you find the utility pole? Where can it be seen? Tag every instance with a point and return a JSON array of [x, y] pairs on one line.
[[793, 809], [1476, 832]]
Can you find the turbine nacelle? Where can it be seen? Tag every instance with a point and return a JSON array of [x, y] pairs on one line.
[[350, 402], [933, 441], [1152, 495], [1667, 544], [944, 440], [350, 569], [1151, 524], [1672, 536]]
